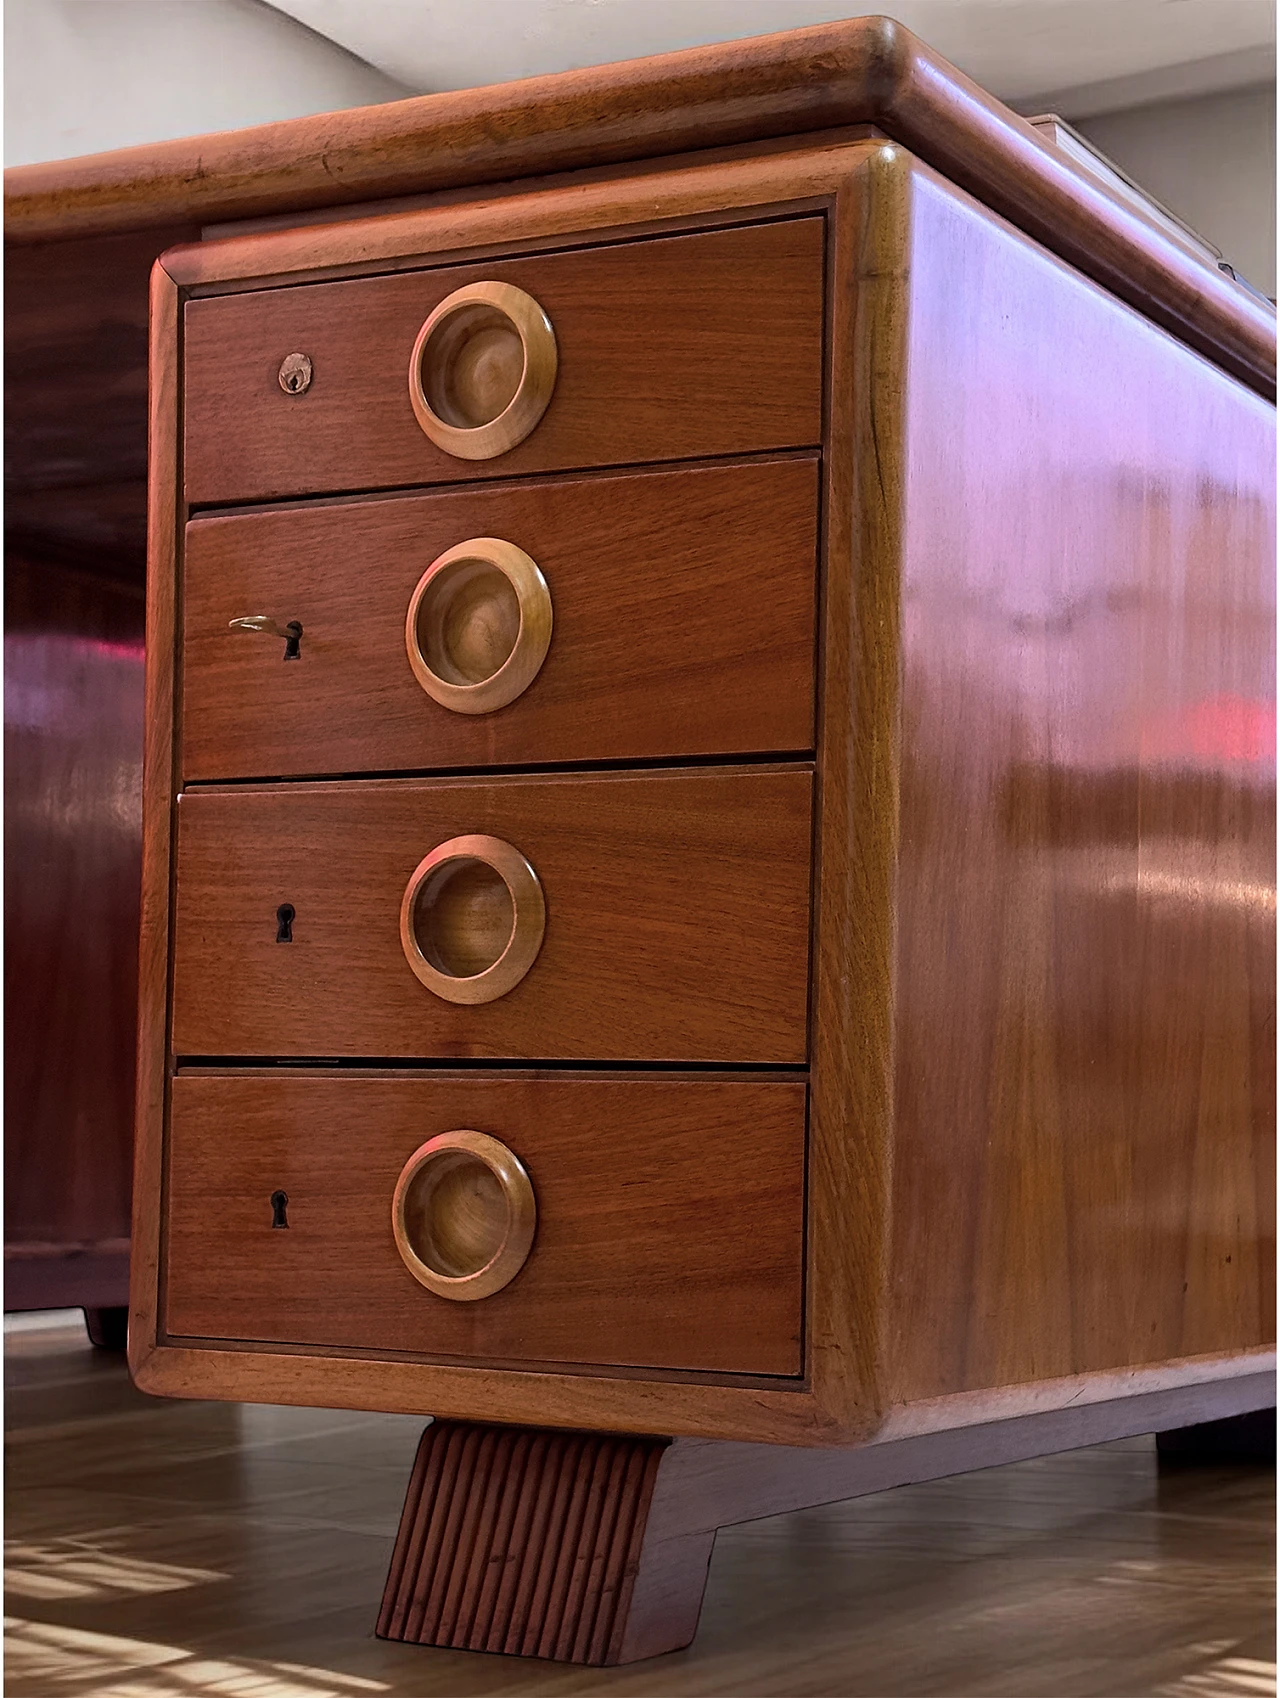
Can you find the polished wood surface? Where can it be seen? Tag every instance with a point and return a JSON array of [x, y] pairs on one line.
[[1084, 1015], [472, 919], [464, 1215], [159, 790], [847, 1409], [479, 625], [867, 71], [158, 1545], [483, 370], [693, 345], [669, 1230], [75, 386], [666, 552], [887, 936], [526, 1543], [73, 749], [75, 539], [677, 917]]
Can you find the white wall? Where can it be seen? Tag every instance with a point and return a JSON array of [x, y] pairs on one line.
[[1212, 160], [84, 75]]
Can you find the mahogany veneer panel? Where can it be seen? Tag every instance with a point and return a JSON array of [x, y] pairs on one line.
[[684, 625], [72, 832], [677, 918], [1085, 943], [670, 1216], [686, 345]]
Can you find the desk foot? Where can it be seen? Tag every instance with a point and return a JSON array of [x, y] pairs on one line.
[[540, 1543], [1248, 1438], [108, 1329]]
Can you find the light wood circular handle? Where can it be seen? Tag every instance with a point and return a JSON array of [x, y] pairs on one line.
[[464, 1215], [479, 625], [482, 370], [472, 919]]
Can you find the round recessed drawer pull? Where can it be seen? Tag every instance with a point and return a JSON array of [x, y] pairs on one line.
[[472, 919], [482, 370], [479, 625], [464, 1215]]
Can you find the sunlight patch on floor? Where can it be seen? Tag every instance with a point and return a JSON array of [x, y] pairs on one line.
[[1228, 1677], [75, 1568], [41, 1657]]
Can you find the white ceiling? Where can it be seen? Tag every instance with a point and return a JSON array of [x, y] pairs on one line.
[[1088, 55]]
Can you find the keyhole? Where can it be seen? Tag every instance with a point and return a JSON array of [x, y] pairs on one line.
[[295, 374], [293, 641], [285, 915], [279, 1206]]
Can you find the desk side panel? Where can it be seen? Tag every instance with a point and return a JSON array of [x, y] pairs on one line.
[[1085, 915]]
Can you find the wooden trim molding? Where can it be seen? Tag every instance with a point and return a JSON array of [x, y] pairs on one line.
[[831, 76]]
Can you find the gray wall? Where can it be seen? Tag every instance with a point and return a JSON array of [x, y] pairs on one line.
[[1212, 160]]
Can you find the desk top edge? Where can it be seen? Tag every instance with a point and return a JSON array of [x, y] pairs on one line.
[[862, 71]]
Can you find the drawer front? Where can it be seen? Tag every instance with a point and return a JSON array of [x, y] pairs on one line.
[[667, 349], [669, 1217], [682, 624], [675, 918]]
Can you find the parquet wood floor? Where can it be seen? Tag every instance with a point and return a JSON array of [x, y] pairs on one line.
[[200, 1550]]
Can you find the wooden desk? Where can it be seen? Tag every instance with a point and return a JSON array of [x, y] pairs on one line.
[[841, 1044]]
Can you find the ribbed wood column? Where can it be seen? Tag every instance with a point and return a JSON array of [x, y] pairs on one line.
[[530, 1542]]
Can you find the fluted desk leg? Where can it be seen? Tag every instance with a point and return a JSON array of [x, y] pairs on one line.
[[542, 1544]]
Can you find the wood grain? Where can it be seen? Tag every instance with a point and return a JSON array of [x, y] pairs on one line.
[[669, 1231], [852, 982], [547, 1565], [691, 345], [717, 567], [73, 752], [859, 72], [1023, 603], [1085, 889], [75, 390], [159, 790], [172, 1369], [677, 918]]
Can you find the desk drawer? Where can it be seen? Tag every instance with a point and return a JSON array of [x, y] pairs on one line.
[[645, 916], [664, 349], [668, 1229], [681, 623]]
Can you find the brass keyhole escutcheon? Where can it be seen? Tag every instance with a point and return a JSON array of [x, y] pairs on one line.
[[472, 919], [479, 625], [295, 373], [464, 1215], [483, 370]]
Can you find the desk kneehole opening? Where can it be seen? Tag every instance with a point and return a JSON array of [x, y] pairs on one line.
[[472, 919], [482, 370], [479, 625], [464, 1215]]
